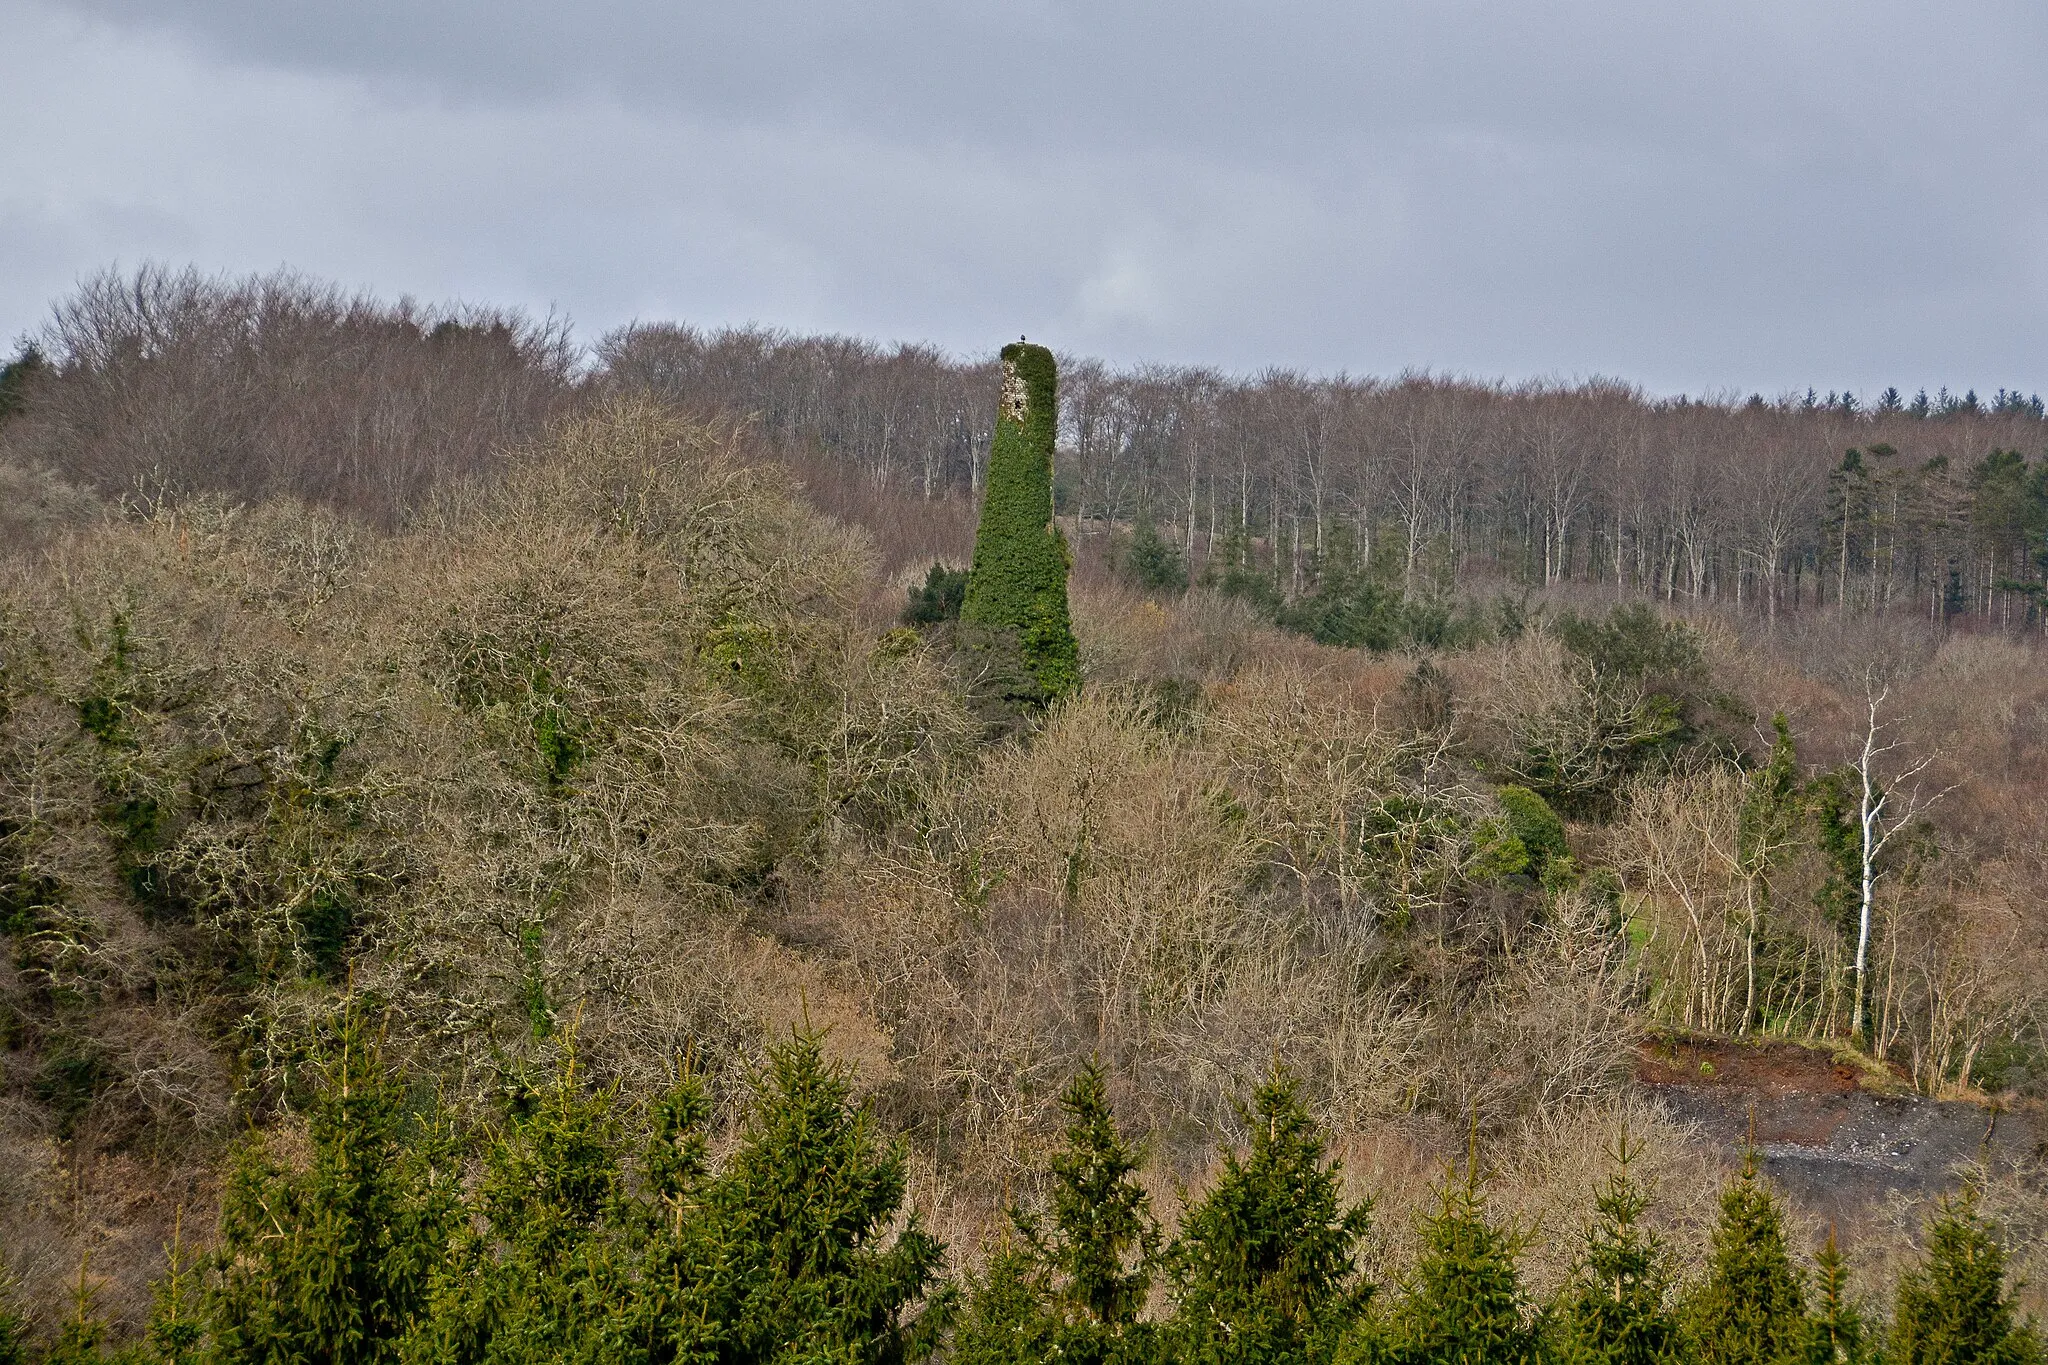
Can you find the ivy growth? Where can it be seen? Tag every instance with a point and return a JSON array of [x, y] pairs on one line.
[[1018, 585]]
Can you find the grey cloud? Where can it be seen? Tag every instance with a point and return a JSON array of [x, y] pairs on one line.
[[1751, 194]]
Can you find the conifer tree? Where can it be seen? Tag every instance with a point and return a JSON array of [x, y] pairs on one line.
[[1265, 1267], [800, 1268], [1751, 1309], [1104, 1234], [1008, 1319], [332, 1264], [1463, 1303], [670, 1316], [1017, 587], [78, 1340], [1955, 1307], [16, 377], [1073, 1290], [1839, 1336], [1614, 1309], [545, 1278]]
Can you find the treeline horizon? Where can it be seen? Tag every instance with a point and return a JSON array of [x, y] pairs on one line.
[[1929, 506]]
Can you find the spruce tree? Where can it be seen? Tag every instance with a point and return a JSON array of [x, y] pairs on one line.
[[1614, 1310], [1751, 1309], [1839, 1336], [1955, 1307], [670, 1317], [1265, 1267], [1463, 1303], [1008, 1318], [801, 1268], [331, 1264], [1104, 1234], [545, 1277], [78, 1340], [1017, 587], [1073, 1290]]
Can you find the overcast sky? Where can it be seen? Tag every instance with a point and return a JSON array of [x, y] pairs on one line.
[[1696, 195]]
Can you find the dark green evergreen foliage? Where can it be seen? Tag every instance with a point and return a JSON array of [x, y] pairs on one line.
[[13, 1330], [1265, 1266], [1231, 572], [1955, 1308], [1148, 561], [1007, 1317], [1751, 1309], [1463, 1303], [1359, 605], [1072, 1291], [1531, 820], [1018, 584], [1772, 801], [1356, 614], [1839, 1335], [801, 1268], [938, 598], [17, 376], [669, 1318], [1631, 644], [177, 1332], [332, 1263], [78, 1339], [1103, 1236], [541, 1279], [1615, 1309], [1832, 798], [1637, 682]]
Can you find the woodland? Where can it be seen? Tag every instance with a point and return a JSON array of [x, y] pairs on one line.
[[739, 847]]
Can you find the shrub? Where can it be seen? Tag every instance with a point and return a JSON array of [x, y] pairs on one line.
[[1149, 562], [938, 598], [1531, 820]]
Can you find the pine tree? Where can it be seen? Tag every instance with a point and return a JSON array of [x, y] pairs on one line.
[[800, 1268], [1265, 1267], [1614, 1309], [1017, 588], [1839, 1336], [331, 1264], [1464, 1303], [1954, 1308], [1751, 1309]]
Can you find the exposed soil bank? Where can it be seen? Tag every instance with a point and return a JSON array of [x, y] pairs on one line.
[[1840, 1140]]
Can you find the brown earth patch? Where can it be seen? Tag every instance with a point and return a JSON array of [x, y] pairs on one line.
[[1771, 1068]]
